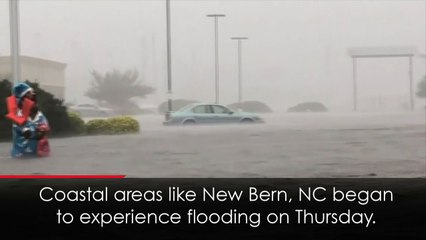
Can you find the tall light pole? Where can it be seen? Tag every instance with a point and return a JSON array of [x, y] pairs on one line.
[[14, 40], [216, 16], [354, 80], [410, 74], [239, 40], [169, 60]]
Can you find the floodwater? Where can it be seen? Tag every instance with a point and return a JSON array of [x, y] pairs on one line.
[[287, 145]]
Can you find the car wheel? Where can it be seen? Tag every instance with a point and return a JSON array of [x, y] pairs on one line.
[[247, 121], [189, 122]]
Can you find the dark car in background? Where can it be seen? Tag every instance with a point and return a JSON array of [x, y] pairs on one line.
[[308, 107], [91, 110]]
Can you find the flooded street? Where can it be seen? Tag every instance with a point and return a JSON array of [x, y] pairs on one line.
[[287, 145]]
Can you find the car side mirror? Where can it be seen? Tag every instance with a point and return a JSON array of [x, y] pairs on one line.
[[230, 113]]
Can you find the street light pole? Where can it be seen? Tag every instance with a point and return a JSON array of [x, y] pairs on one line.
[[354, 79], [14, 40], [410, 74], [169, 60], [216, 53], [240, 97]]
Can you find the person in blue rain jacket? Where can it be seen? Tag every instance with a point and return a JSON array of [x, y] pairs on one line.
[[29, 137]]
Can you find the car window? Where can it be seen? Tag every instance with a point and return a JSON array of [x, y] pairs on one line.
[[220, 109], [201, 109]]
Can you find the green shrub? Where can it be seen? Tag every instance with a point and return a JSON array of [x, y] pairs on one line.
[[76, 123], [115, 125], [5, 124], [98, 126], [124, 124]]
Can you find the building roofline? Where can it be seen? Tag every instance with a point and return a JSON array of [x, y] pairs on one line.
[[34, 59]]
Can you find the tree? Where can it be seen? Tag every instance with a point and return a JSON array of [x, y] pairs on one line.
[[116, 89], [421, 88]]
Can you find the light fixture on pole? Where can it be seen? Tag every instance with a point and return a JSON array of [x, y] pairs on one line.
[[240, 97], [216, 16]]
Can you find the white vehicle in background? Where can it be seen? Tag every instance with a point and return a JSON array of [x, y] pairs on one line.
[[91, 110]]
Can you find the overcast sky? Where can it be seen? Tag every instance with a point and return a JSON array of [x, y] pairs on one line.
[[297, 50]]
